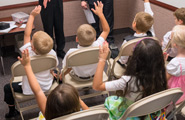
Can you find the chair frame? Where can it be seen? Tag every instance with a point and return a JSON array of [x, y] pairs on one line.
[[154, 103], [125, 50], [101, 111], [94, 52], [18, 71]]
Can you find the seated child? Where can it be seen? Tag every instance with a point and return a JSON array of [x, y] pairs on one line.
[[142, 25], [144, 76], [40, 44], [179, 15], [176, 67], [63, 100], [86, 37]]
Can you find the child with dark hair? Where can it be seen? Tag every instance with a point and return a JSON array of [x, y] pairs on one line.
[[64, 99], [144, 76]]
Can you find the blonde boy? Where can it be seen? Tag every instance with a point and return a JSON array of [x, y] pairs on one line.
[[179, 15], [40, 44], [86, 37], [143, 27]]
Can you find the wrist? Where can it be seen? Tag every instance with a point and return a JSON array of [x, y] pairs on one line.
[[102, 60]]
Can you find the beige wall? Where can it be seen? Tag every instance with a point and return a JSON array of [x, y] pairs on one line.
[[124, 12]]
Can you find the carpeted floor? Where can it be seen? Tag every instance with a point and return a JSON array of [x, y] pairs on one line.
[[10, 57]]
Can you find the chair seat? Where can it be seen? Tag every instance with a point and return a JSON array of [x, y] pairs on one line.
[[79, 85], [21, 97], [118, 69]]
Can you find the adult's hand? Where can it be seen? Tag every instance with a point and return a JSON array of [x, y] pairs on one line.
[[45, 3], [84, 4]]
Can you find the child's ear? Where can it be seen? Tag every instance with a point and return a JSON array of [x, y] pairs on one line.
[[174, 45], [76, 39], [180, 22]]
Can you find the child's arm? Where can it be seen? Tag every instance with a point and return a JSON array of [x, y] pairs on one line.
[[66, 72], [99, 12], [83, 105], [98, 83], [168, 76], [39, 95], [29, 24]]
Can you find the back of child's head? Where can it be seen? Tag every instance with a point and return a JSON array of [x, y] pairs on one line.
[[86, 35], [180, 14], [144, 21], [147, 66], [178, 36], [42, 42], [63, 100]]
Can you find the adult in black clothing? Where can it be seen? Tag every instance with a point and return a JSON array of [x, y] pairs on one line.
[[107, 11], [52, 18]]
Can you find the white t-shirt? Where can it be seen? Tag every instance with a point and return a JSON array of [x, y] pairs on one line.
[[173, 67], [44, 78], [166, 38], [124, 59], [85, 70], [120, 84]]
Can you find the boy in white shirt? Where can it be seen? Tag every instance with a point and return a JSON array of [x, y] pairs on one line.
[[143, 27], [86, 37], [179, 15], [40, 44]]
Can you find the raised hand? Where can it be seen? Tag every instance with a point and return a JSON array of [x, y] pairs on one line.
[[104, 51], [36, 11], [98, 8], [25, 60]]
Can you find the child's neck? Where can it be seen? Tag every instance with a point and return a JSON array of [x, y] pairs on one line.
[[181, 52], [138, 32]]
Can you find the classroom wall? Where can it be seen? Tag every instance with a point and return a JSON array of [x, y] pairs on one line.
[[124, 12]]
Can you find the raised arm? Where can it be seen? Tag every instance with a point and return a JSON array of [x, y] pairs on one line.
[[39, 95], [29, 24], [83, 105], [98, 83], [99, 12]]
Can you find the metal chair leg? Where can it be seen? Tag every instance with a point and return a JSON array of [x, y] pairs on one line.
[[2, 63]]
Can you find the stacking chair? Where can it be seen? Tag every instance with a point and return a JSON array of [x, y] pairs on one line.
[[94, 113], [39, 64], [125, 50], [85, 56], [154, 103]]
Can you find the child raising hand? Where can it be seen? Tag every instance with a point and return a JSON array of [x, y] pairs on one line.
[[65, 95]]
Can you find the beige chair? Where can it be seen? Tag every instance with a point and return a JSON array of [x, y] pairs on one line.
[[94, 113], [154, 103], [82, 57], [39, 64], [180, 109], [125, 50]]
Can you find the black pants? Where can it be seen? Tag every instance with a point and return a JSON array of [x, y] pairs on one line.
[[8, 96], [109, 15], [52, 18]]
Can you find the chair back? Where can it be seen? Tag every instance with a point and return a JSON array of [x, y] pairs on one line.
[[39, 63], [125, 50], [90, 114], [153, 103], [83, 56]]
